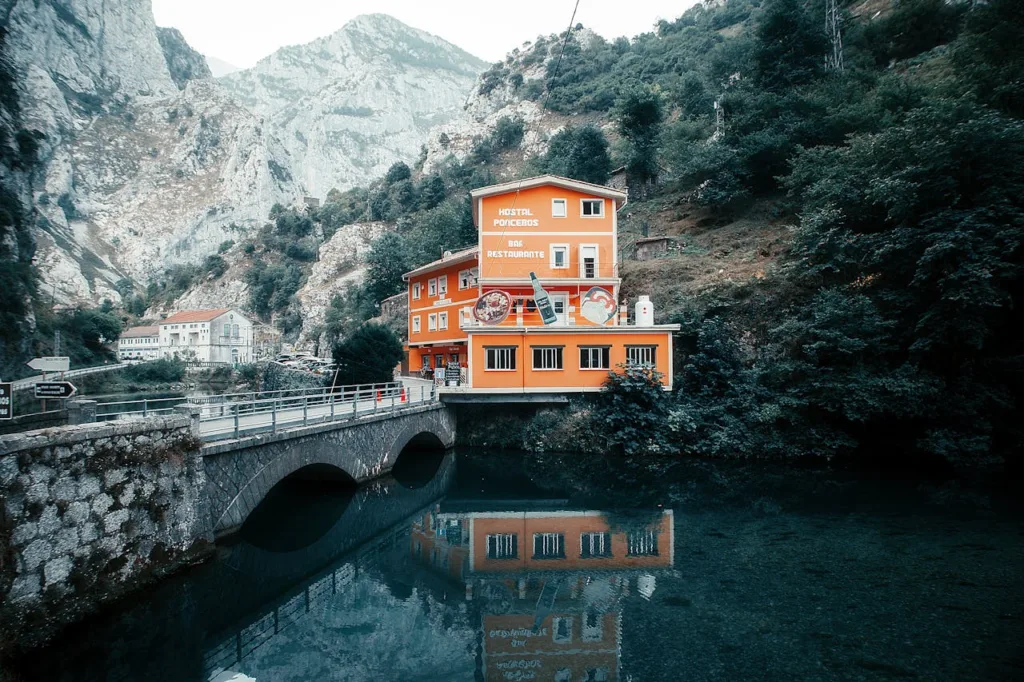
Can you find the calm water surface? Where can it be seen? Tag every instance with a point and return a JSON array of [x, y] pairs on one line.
[[481, 566]]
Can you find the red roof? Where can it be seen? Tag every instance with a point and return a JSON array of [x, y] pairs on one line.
[[136, 332], [195, 316]]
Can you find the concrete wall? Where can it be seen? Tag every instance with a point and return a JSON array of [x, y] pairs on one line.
[[87, 512]]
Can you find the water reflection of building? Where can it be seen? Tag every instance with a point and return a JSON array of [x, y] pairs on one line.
[[547, 586]]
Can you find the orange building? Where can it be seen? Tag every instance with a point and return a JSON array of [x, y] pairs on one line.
[[478, 306], [547, 585]]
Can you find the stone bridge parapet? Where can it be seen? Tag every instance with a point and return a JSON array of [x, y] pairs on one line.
[[241, 472]]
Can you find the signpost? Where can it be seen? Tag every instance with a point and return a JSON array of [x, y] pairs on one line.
[[6, 401], [55, 363], [55, 389]]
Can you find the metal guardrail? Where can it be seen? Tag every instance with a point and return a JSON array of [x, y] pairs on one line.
[[230, 415], [22, 384]]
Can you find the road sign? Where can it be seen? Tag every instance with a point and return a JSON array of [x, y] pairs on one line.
[[6, 401], [54, 363], [55, 389]]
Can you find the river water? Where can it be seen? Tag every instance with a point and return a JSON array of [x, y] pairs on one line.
[[483, 566]]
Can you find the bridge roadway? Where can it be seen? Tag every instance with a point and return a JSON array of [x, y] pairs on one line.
[[222, 421]]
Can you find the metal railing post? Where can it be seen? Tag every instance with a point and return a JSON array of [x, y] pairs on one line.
[[273, 415], [145, 407], [332, 407], [305, 410], [236, 421]]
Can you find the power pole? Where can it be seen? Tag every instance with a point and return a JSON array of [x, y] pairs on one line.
[[56, 342], [719, 120], [834, 60]]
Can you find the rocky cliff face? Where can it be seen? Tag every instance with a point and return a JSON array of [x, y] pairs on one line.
[[136, 174], [183, 63], [349, 105]]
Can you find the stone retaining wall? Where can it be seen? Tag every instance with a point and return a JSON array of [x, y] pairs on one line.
[[88, 512]]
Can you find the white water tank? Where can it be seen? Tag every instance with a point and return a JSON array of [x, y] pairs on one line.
[[644, 312]]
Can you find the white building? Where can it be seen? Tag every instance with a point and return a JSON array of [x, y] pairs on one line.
[[222, 336], [139, 344]]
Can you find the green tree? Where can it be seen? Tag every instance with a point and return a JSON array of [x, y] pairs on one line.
[[386, 262], [431, 191], [634, 409], [638, 115], [790, 45], [579, 153], [368, 356], [397, 172]]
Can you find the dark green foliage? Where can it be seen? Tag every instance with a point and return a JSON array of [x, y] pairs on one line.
[[225, 245], [913, 27], [215, 266], [790, 46], [634, 411], [508, 133], [398, 171], [271, 287], [638, 115], [579, 153], [164, 370], [347, 311], [387, 262], [989, 57], [369, 355], [431, 191]]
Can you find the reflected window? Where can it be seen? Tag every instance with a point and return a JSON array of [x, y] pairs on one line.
[[597, 675], [642, 543], [502, 546], [561, 629], [595, 545], [563, 675], [592, 626], [548, 546]]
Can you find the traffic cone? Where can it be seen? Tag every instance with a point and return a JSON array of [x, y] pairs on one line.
[[402, 400], [378, 396]]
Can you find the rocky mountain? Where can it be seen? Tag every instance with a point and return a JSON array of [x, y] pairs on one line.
[[135, 173], [349, 105], [184, 63], [219, 67], [145, 161]]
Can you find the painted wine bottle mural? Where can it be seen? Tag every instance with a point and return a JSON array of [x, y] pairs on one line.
[[543, 301]]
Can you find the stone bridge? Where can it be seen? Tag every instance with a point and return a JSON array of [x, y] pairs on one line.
[[239, 473]]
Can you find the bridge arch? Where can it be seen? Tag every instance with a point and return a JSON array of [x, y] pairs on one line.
[[241, 473]]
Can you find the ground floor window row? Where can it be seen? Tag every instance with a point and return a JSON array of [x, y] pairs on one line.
[[552, 545], [503, 358]]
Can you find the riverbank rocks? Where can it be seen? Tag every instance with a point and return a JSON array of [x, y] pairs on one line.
[[88, 513]]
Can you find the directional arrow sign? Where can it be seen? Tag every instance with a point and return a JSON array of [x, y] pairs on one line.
[[55, 389], [54, 363]]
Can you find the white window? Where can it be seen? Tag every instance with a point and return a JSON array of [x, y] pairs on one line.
[[558, 209], [432, 287], [501, 358], [596, 675], [442, 320], [642, 543], [588, 261], [561, 629], [595, 357], [464, 317], [442, 285], [592, 208], [432, 322], [502, 546], [640, 355], [415, 324], [559, 256], [465, 277], [595, 544], [548, 546], [416, 291], [547, 357]]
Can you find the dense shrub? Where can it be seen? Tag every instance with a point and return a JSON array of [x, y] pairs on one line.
[[164, 370]]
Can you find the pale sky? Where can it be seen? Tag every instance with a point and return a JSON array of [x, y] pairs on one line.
[[243, 31]]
